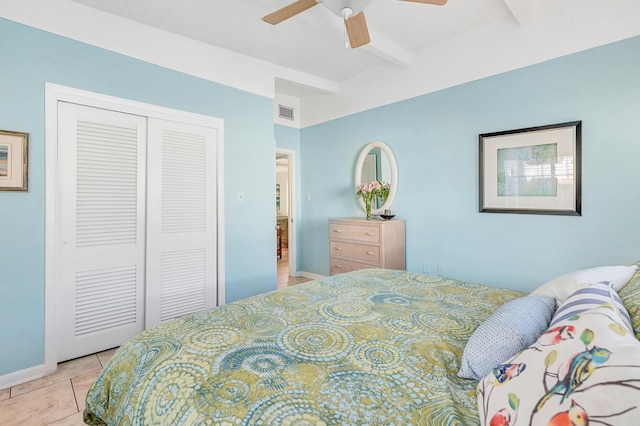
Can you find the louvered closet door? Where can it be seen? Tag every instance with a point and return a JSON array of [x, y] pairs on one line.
[[101, 168], [181, 220]]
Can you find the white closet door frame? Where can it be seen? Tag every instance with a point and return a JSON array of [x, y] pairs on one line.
[[55, 93]]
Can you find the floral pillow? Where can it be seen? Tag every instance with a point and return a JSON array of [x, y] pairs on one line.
[[585, 369]]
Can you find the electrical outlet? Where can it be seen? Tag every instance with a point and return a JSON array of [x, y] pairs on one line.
[[308, 198], [440, 270], [426, 267], [240, 196]]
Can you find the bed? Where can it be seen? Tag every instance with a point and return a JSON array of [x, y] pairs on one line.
[[382, 347], [376, 347]]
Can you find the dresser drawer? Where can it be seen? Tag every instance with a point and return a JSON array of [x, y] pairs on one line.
[[339, 266], [345, 231], [366, 253], [356, 243]]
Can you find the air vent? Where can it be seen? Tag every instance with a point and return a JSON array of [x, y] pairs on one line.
[[285, 112]]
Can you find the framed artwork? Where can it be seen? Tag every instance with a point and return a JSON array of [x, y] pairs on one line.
[[536, 170], [14, 160]]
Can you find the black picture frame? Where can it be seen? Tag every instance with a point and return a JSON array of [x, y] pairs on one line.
[[534, 170]]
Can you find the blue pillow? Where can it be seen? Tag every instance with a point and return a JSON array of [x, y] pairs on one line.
[[514, 326], [588, 298]]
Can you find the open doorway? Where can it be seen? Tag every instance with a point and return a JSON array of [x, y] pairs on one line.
[[285, 217]]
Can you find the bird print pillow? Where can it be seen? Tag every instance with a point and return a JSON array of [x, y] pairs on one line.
[[582, 370]]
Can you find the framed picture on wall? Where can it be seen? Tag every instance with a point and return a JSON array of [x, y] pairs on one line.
[[536, 170], [14, 160]]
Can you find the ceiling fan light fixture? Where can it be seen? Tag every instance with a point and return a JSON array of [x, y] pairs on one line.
[[337, 6], [351, 11]]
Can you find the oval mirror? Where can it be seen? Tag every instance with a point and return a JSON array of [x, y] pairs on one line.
[[376, 162]]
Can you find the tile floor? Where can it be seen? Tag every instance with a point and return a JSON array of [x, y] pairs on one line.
[[284, 280], [58, 399]]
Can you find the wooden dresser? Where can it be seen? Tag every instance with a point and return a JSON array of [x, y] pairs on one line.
[[360, 244]]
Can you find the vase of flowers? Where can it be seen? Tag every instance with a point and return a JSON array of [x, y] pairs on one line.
[[370, 192]]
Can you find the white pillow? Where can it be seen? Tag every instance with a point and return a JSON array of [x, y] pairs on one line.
[[564, 286]]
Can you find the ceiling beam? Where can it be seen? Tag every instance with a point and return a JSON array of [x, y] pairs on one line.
[[522, 10], [379, 46], [389, 51], [286, 78]]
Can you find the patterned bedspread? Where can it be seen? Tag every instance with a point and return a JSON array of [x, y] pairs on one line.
[[373, 347]]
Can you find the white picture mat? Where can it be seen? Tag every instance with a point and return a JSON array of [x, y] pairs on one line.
[[565, 137]]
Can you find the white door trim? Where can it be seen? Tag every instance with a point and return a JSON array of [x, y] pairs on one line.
[[293, 220], [55, 93]]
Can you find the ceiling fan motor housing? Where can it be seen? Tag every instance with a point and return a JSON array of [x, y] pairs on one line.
[[337, 6]]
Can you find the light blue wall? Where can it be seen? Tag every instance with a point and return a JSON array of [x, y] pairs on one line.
[[29, 59], [435, 140], [289, 138]]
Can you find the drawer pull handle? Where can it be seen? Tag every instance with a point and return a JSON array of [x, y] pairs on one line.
[[370, 253], [338, 230], [338, 266], [370, 233], [338, 248]]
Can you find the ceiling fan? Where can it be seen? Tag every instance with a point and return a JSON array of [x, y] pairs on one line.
[[350, 10]]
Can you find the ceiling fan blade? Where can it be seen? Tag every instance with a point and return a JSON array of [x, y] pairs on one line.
[[436, 2], [289, 11], [357, 30]]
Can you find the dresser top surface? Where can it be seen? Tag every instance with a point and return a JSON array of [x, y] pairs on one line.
[[364, 221]]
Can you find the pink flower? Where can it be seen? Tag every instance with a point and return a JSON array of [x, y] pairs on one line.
[[369, 191]]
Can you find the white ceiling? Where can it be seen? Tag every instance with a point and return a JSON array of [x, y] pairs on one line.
[[313, 41], [415, 48]]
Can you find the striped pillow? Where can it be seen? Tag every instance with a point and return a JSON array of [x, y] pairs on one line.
[[588, 298]]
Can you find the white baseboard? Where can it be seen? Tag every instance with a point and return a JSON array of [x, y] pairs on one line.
[[309, 275], [22, 376]]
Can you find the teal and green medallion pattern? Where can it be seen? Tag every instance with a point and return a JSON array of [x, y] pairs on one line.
[[374, 347]]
